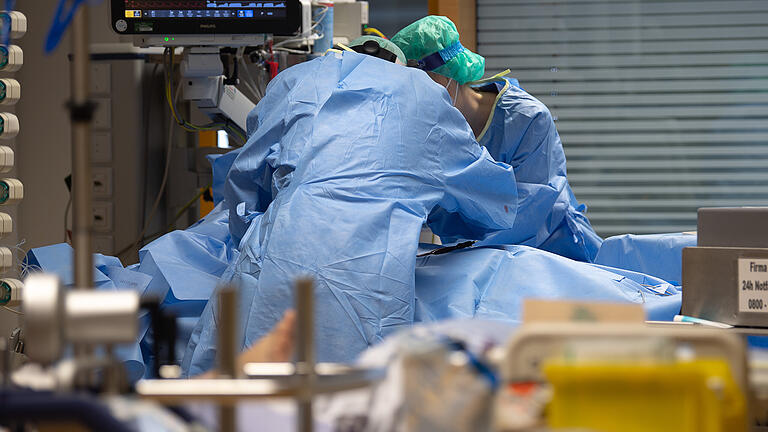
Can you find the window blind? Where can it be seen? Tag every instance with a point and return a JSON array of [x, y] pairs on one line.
[[662, 106]]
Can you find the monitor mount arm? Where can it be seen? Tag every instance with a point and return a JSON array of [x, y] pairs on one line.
[[206, 85]]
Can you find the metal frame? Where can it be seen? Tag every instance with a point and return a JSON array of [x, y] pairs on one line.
[[301, 381]]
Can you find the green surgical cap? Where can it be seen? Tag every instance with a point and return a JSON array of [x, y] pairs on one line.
[[433, 34], [386, 44]]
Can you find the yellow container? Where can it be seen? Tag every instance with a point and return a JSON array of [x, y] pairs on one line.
[[696, 396]]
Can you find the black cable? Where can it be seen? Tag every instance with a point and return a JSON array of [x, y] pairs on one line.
[[149, 91], [66, 218], [171, 225]]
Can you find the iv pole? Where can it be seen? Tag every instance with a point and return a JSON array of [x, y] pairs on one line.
[[81, 110]]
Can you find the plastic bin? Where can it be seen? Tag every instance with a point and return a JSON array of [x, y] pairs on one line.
[[696, 396]]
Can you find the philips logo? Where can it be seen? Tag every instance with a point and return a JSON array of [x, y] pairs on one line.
[[207, 26]]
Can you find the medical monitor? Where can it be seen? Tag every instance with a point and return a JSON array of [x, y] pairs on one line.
[[206, 17]]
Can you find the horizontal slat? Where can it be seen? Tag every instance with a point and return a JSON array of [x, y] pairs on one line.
[[670, 125], [675, 203], [664, 151], [544, 75], [609, 231], [654, 99], [649, 86], [591, 177], [646, 190], [610, 216], [599, 9], [667, 163], [511, 34], [665, 138], [650, 60], [598, 22], [662, 112], [521, 48]]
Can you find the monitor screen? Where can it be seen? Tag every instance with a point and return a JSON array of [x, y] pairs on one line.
[[281, 17]]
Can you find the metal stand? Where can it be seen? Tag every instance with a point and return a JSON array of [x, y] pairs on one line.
[[301, 381], [227, 352], [81, 113], [305, 352]]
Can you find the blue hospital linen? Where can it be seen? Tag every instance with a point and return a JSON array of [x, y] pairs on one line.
[[493, 282], [660, 255]]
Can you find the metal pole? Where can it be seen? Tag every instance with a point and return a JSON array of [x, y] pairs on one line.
[[227, 351], [305, 351], [5, 350], [80, 114], [81, 111]]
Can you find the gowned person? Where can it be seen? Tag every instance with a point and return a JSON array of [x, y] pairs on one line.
[[516, 129], [352, 153]]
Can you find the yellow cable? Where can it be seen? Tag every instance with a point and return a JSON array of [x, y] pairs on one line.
[[345, 48], [375, 32]]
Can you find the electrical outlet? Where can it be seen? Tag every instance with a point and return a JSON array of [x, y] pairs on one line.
[[101, 79], [101, 182], [102, 216], [102, 116], [104, 244], [101, 147]]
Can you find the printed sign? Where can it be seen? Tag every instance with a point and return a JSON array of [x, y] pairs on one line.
[[753, 285]]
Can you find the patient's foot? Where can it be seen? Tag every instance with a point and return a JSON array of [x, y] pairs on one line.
[[277, 346]]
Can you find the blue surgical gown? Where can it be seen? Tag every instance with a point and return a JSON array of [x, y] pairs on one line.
[[521, 133], [358, 152]]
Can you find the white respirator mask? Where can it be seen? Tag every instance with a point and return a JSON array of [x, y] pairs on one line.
[[456, 93]]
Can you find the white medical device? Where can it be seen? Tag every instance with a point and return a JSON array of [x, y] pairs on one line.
[[202, 28]]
